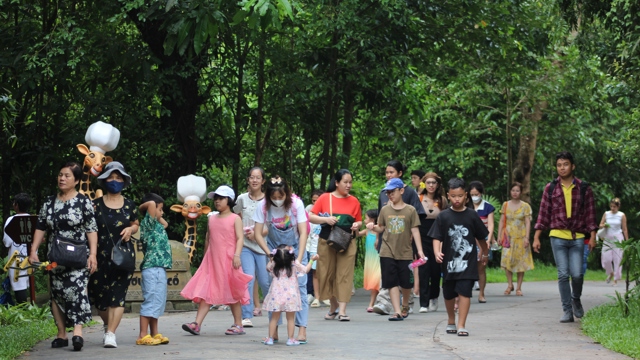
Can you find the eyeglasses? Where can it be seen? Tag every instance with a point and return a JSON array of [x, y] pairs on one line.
[[431, 182], [389, 192], [255, 177]]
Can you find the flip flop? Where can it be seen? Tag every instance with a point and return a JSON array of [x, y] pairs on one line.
[[302, 342], [331, 316], [396, 317], [344, 318], [451, 329], [463, 332]]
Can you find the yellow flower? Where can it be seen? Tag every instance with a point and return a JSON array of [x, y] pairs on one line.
[[422, 185]]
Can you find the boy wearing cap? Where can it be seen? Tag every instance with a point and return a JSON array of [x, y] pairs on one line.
[[399, 224], [157, 258], [454, 234]]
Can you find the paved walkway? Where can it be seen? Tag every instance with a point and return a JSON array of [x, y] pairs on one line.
[[506, 327]]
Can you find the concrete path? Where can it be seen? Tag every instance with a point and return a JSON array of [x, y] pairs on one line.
[[506, 327]]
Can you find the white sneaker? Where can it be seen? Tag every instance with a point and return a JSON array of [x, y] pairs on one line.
[[310, 298], [476, 286], [110, 340], [424, 309], [247, 323], [380, 309], [105, 333], [433, 305]]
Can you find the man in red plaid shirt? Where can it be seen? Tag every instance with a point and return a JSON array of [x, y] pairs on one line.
[[569, 217]]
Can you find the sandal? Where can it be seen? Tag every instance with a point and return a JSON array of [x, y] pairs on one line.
[[192, 328], [405, 312], [463, 332], [163, 339], [344, 318], [509, 290], [369, 309], [331, 316], [235, 330], [268, 341], [148, 340], [518, 292], [451, 329], [257, 312], [396, 317]]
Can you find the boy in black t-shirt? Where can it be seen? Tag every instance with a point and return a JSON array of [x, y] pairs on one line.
[[454, 234]]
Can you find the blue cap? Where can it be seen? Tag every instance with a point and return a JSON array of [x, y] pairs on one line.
[[393, 184]]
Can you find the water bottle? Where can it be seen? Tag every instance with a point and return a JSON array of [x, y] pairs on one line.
[[418, 262]]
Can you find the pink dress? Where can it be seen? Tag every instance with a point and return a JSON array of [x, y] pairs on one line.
[[216, 281], [284, 293]]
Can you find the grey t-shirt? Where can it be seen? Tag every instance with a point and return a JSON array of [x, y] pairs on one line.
[[245, 207]]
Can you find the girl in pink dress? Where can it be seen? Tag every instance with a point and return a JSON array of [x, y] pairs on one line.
[[219, 279], [284, 293]]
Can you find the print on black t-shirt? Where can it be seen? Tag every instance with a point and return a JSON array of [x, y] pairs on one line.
[[458, 231]]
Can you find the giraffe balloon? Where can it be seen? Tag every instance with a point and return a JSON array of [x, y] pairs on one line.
[[191, 190], [101, 137]]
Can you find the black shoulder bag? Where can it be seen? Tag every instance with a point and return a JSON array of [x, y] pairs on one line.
[[123, 254], [64, 251], [339, 239]]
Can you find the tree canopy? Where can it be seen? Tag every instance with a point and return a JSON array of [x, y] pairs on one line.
[[488, 91]]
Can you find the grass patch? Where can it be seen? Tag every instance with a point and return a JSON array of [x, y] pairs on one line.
[[22, 326], [18, 338], [541, 272], [606, 325]]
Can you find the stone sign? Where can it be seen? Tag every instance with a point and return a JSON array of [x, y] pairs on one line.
[[177, 276]]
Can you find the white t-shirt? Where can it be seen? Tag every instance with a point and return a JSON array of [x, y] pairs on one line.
[[279, 218], [314, 234], [23, 282]]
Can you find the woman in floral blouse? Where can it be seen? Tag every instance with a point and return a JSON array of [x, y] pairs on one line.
[[69, 214]]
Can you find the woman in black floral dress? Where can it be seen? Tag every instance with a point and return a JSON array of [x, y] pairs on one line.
[[117, 217], [69, 214]]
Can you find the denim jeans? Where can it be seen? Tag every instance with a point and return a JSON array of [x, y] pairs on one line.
[[255, 265], [568, 255], [584, 259]]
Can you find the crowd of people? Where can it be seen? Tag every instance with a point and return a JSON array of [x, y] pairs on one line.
[[265, 239]]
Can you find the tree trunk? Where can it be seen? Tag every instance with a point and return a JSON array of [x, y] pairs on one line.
[[523, 166], [259, 111], [347, 136]]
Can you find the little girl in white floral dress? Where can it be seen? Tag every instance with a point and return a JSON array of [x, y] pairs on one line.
[[284, 293]]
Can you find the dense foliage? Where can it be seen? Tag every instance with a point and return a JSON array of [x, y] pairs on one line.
[[484, 90]]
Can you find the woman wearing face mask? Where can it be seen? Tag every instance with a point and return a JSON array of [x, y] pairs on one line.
[[485, 211], [517, 257], [117, 218], [286, 220]]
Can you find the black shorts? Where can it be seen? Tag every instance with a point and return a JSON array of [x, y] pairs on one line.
[[452, 288], [395, 273]]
